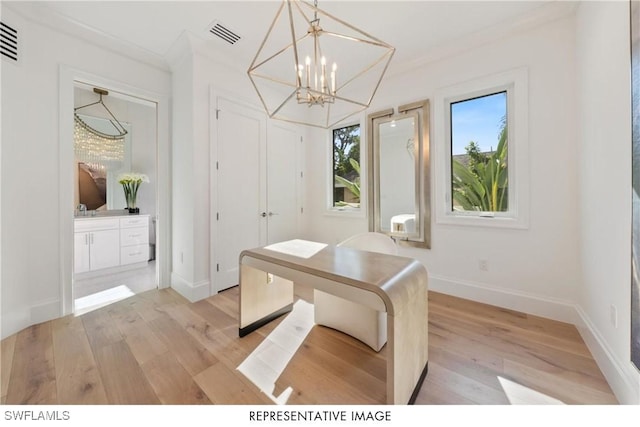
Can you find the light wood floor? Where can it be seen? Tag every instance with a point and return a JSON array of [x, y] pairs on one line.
[[157, 348]]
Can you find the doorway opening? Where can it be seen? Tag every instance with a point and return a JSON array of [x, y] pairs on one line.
[[114, 251]]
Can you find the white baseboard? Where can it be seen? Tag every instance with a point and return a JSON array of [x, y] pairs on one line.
[[191, 291], [550, 308], [13, 321], [45, 311], [621, 376]]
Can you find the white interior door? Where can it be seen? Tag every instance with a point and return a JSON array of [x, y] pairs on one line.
[[283, 182], [240, 187]]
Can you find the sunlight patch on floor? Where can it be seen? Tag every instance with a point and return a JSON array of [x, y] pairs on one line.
[[522, 395], [267, 362], [100, 299]]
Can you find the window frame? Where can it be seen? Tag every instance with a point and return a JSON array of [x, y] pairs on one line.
[[515, 84], [346, 210]]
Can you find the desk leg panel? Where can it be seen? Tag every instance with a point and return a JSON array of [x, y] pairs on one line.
[[263, 297], [408, 356]]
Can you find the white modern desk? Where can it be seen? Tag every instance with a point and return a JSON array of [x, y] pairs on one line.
[[394, 284]]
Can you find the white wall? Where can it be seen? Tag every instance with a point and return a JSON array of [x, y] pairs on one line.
[[195, 76], [182, 161], [536, 269], [32, 243], [604, 210]]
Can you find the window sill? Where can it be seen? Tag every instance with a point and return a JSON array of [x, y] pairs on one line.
[[345, 212], [483, 221]]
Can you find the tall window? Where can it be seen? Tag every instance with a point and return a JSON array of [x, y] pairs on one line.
[[482, 163], [346, 167], [479, 154]]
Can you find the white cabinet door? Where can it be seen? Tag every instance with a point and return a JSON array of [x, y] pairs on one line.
[[134, 236], [134, 254], [105, 249], [81, 252]]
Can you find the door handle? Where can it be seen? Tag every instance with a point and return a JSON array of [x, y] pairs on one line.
[[272, 213], [263, 214]]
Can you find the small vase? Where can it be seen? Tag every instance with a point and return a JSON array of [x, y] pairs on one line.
[[133, 210]]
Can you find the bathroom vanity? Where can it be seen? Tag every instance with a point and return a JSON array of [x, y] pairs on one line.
[[109, 242]]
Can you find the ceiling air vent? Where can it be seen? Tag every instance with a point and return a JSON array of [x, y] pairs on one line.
[[8, 42], [224, 33]]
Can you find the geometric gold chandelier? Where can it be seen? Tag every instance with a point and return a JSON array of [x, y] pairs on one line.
[[99, 149], [315, 69]]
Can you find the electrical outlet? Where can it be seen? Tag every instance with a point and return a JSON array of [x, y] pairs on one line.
[[613, 312], [483, 265]]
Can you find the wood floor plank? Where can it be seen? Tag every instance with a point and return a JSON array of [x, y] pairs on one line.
[[227, 301], [467, 387], [151, 304], [144, 344], [316, 349], [172, 383], [312, 384], [100, 328], [470, 347], [157, 347], [7, 347], [500, 315], [225, 387], [146, 308], [351, 351], [122, 376], [162, 297], [214, 314], [188, 351], [560, 385], [465, 366], [510, 345], [77, 375], [542, 333], [33, 376], [433, 393], [201, 321]]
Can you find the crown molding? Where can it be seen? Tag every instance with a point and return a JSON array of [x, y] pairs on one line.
[[545, 14], [39, 13]]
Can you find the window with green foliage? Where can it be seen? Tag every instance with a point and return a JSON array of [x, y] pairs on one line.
[[481, 134], [346, 167], [479, 154]]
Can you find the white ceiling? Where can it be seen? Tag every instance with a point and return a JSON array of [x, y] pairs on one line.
[[414, 28]]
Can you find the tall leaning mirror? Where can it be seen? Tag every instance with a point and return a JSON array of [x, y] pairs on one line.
[[398, 160]]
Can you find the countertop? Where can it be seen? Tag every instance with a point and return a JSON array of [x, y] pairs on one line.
[[106, 214]]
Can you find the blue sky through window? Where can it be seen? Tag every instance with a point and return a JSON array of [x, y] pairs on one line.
[[477, 120]]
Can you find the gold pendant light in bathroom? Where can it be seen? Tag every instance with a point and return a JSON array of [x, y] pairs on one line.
[[96, 148]]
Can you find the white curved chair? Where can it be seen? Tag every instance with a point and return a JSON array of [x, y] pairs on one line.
[[361, 322]]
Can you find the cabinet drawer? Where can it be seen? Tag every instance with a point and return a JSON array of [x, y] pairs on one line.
[[80, 225], [134, 236], [134, 221], [133, 254]]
